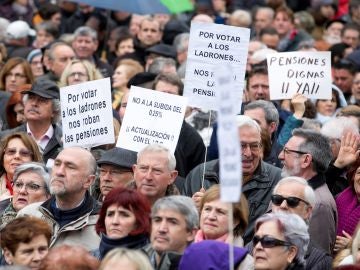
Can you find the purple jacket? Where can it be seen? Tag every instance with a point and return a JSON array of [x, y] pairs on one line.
[[348, 211]]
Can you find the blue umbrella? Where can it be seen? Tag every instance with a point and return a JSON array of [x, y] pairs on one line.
[[131, 6]]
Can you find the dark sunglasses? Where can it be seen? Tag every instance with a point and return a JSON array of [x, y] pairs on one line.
[[291, 201], [269, 242]]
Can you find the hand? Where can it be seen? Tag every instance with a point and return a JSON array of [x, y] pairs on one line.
[[349, 151], [197, 197], [245, 97], [342, 241], [298, 102]]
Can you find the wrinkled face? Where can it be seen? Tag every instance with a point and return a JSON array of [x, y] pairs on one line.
[[166, 87], [28, 188], [37, 108], [14, 78], [355, 89], [343, 79], [262, 19], [126, 46], [326, 107], [84, 46], [29, 254], [250, 151], [152, 175], [78, 74], [169, 232], [277, 257], [43, 38], [119, 221], [214, 219], [282, 23], [62, 56], [113, 177], [15, 154], [292, 190], [120, 77], [70, 173], [36, 66], [258, 115], [335, 29], [292, 161], [351, 37], [149, 33], [259, 87]]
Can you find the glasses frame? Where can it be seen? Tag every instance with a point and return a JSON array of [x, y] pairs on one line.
[[288, 151], [269, 242], [22, 152], [292, 204], [27, 186]]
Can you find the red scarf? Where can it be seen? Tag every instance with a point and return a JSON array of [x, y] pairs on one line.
[[9, 185]]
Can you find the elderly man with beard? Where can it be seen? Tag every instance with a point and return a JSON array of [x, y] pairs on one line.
[[71, 211], [308, 154]]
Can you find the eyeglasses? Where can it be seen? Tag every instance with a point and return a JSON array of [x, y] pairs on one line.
[[288, 151], [22, 152], [103, 172], [255, 146], [290, 201], [16, 75], [79, 74], [269, 242], [30, 187]]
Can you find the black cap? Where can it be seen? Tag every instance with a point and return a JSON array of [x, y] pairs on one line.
[[44, 88], [162, 50], [141, 78], [118, 157]]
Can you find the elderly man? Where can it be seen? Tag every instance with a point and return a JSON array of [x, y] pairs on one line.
[[175, 221], [85, 45], [308, 154], [71, 211], [42, 110], [259, 177], [294, 195], [155, 173], [115, 169]]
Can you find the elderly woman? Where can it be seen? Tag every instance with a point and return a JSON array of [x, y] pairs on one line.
[[25, 241], [280, 242], [30, 185], [79, 71], [124, 221], [35, 60], [15, 72], [122, 258], [214, 218], [15, 149]]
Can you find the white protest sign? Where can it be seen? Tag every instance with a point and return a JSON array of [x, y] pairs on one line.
[[151, 117], [86, 113], [228, 139], [307, 73], [211, 46]]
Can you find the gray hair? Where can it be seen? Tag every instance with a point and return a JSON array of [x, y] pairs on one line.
[[241, 18], [246, 121], [312, 124], [34, 167], [309, 193], [336, 127], [159, 63], [56, 107], [271, 113], [85, 31], [181, 204], [269, 10], [317, 145], [294, 229], [159, 148], [53, 48], [180, 42]]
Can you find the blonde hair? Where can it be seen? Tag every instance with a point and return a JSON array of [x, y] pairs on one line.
[[136, 257]]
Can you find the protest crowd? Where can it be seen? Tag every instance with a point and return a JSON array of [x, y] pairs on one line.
[[113, 135]]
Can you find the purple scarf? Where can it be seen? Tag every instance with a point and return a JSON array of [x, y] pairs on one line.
[[348, 211]]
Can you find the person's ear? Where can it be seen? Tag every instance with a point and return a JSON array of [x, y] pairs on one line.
[[9, 258], [307, 161], [292, 254], [89, 181], [173, 175], [190, 236]]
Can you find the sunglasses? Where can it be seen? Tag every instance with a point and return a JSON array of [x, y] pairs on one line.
[[269, 242], [290, 201]]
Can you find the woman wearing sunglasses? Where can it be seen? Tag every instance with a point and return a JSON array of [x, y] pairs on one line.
[[280, 242], [15, 149]]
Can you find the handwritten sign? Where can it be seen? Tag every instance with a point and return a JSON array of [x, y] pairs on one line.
[[86, 113], [307, 73], [211, 46], [151, 117], [228, 139]]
